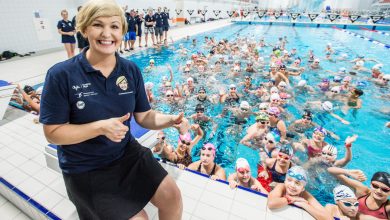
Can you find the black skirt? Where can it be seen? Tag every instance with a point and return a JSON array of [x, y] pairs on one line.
[[118, 191]]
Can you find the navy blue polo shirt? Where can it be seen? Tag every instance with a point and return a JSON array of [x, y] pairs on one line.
[[158, 19], [66, 26], [76, 93], [131, 22], [139, 22], [165, 18], [149, 18]]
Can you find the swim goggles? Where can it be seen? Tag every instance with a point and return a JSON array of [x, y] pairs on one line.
[[297, 176]]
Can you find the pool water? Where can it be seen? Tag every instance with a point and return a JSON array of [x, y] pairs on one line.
[[371, 152]]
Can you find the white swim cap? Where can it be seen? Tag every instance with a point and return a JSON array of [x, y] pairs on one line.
[[151, 61], [164, 78], [232, 86], [236, 68], [274, 89], [329, 44], [316, 60], [336, 89], [242, 163], [244, 104], [302, 83], [377, 66], [263, 105], [360, 63], [273, 65], [343, 192], [330, 148], [283, 84], [327, 106], [298, 173], [387, 76], [274, 96], [270, 136], [188, 62], [190, 79]]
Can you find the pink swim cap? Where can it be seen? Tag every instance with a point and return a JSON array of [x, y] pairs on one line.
[[185, 137], [209, 147]]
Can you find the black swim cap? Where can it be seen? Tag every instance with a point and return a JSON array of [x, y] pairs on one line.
[[201, 88], [307, 113], [199, 107], [27, 89], [382, 177]]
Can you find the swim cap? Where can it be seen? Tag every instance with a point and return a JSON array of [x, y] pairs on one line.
[[342, 70], [387, 76], [273, 65], [263, 105], [283, 84], [274, 111], [271, 136], [336, 89], [232, 86], [341, 192], [286, 149], [316, 60], [360, 63], [188, 62], [325, 80], [151, 61], [274, 96], [307, 113], [210, 145], [284, 95], [327, 106], [377, 66], [201, 88], [344, 55], [244, 104], [274, 89], [282, 66], [27, 89], [337, 78], [164, 78], [190, 79], [149, 85], [320, 129], [302, 83], [262, 116], [331, 148], [236, 69], [185, 137], [199, 107], [242, 163], [298, 173], [382, 177], [329, 44]]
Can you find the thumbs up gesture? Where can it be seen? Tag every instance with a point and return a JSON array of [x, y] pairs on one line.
[[114, 129]]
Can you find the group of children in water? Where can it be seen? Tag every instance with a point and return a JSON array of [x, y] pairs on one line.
[[269, 96]]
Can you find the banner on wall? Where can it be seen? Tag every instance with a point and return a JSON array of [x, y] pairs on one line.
[[203, 12], [230, 13], [216, 12], [354, 18], [42, 27], [190, 11], [294, 16], [376, 18], [260, 13], [277, 14], [178, 11], [313, 16], [245, 13], [333, 17]]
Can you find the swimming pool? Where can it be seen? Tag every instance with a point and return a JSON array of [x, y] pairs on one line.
[[371, 152]]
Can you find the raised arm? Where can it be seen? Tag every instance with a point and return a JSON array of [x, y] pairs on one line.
[[198, 137], [348, 152]]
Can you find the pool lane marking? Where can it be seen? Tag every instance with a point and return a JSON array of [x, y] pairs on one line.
[[364, 38], [379, 32]]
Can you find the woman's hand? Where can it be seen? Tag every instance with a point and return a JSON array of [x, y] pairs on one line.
[[214, 177], [357, 175], [114, 129], [233, 184]]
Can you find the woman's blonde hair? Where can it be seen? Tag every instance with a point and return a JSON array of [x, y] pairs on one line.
[[99, 8]]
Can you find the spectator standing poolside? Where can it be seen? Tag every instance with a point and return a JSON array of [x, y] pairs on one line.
[[140, 20], [107, 173], [158, 29], [165, 18], [67, 31], [81, 41], [149, 24]]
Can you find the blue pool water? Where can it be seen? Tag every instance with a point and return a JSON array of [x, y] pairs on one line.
[[371, 152]]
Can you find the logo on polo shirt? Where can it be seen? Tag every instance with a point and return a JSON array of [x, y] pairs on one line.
[[122, 83], [80, 105]]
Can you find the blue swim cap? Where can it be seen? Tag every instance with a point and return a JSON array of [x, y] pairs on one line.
[[337, 78]]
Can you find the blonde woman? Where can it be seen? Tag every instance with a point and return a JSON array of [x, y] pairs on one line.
[[87, 104]]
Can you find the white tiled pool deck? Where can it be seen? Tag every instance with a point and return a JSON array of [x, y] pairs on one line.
[[22, 162]]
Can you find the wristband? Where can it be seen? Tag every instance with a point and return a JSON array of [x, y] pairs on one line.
[[348, 145]]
